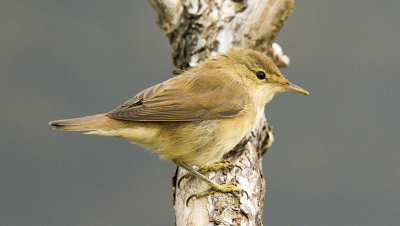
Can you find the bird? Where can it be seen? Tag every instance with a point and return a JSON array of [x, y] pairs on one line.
[[196, 116]]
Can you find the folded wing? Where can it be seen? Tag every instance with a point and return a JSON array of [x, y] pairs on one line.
[[187, 97]]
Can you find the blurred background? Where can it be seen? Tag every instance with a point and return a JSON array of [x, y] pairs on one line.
[[335, 159]]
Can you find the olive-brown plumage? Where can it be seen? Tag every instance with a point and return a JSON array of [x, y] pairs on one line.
[[196, 116]]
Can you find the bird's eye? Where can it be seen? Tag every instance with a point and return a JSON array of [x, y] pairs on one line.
[[260, 75]]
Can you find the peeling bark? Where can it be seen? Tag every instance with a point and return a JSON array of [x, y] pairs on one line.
[[197, 29]]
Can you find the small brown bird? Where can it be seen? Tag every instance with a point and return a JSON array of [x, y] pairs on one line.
[[196, 116]]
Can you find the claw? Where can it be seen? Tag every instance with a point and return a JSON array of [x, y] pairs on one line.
[[247, 194], [187, 201], [209, 167], [179, 182], [224, 188], [214, 187], [186, 176], [238, 167], [239, 193]]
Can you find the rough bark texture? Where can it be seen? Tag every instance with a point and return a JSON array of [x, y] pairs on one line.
[[228, 209], [196, 30]]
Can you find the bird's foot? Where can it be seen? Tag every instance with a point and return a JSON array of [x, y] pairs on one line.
[[209, 167], [224, 188]]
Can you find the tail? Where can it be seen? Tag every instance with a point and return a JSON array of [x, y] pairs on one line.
[[93, 122]]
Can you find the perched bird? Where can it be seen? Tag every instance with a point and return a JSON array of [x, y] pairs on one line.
[[196, 116]]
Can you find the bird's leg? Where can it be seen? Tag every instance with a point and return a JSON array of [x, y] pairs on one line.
[[209, 167], [214, 187]]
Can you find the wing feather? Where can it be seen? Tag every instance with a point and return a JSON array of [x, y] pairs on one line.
[[184, 98]]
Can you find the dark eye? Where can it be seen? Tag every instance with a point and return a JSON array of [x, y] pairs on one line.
[[260, 75]]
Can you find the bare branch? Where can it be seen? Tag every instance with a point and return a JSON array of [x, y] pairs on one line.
[[276, 54], [196, 30], [169, 12], [264, 22], [228, 209]]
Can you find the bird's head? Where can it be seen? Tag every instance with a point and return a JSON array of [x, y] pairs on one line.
[[258, 73]]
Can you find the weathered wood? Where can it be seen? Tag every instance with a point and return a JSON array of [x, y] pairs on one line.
[[200, 28], [228, 209]]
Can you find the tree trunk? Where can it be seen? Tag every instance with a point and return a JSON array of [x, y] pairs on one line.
[[196, 30]]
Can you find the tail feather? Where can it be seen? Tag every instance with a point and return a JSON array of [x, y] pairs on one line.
[[93, 122]]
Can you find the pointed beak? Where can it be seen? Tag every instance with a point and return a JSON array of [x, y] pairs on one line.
[[293, 87]]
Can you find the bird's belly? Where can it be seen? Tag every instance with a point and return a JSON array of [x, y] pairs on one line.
[[194, 143], [197, 143]]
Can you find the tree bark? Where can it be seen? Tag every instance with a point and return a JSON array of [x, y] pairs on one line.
[[200, 28]]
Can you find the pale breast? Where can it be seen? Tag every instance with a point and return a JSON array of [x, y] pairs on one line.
[[199, 142]]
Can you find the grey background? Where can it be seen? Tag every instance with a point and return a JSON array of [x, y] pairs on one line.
[[335, 159]]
